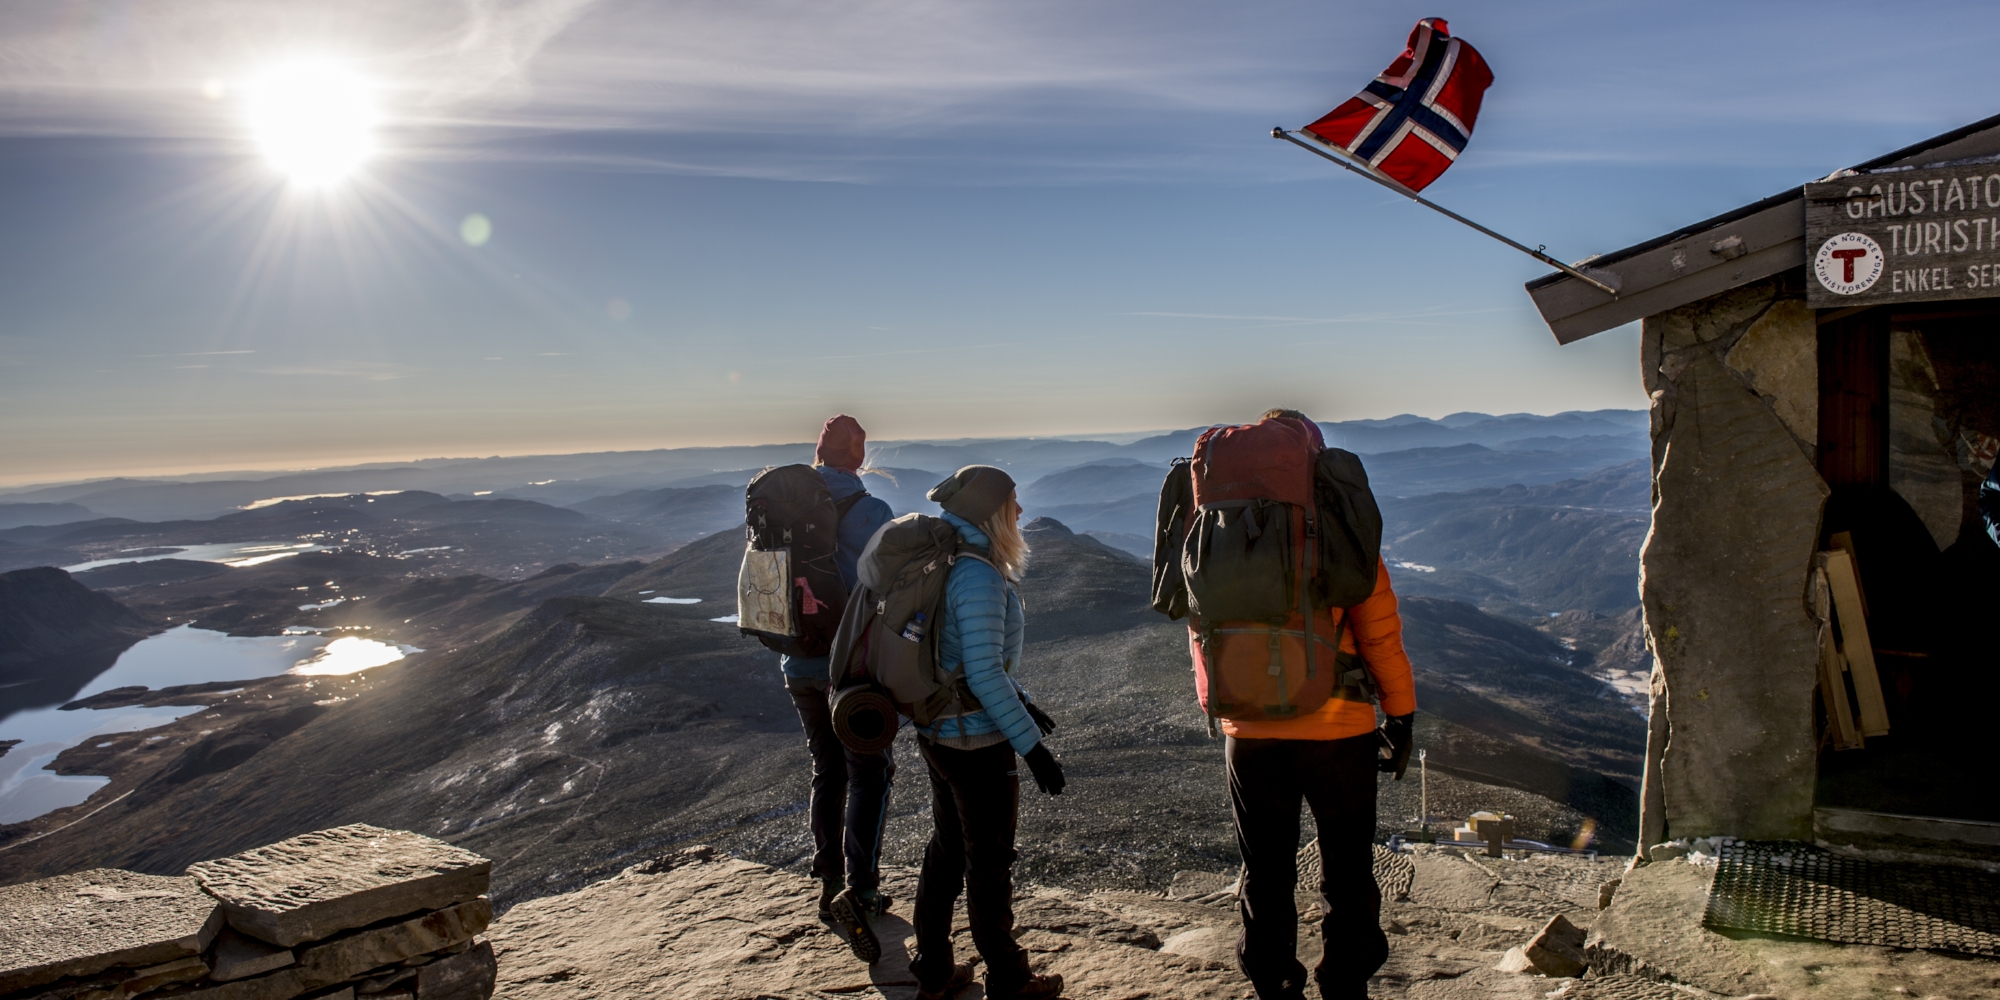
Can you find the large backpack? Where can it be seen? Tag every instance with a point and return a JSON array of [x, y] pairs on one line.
[[1258, 535], [902, 575], [789, 594]]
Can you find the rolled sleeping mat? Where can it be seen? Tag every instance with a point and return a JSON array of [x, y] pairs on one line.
[[864, 718]]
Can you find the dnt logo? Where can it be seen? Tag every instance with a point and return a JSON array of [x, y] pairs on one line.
[[1848, 264]]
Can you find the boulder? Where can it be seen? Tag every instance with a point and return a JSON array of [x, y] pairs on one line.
[[239, 956], [467, 975], [316, 885], [1558, 949], [86, 923]]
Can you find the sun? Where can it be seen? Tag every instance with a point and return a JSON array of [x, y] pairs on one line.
[[313, 119]]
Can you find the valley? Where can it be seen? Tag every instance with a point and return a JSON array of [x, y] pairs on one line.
[[564, 722]]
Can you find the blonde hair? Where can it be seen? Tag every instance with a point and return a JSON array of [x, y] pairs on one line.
[[1008, 548]]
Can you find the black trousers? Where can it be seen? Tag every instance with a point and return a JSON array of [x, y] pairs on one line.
[[850, 797], [975, 804], [1336, 778]]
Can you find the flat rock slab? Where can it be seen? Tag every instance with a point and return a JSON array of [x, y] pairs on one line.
[[704, 925], [82, 924], [316, 885], [1653, 930]]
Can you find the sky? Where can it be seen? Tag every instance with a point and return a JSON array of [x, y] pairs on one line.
[[719, 222]]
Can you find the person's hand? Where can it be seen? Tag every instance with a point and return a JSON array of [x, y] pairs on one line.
[[1048, 773], [1398, 736], [1042, 720]]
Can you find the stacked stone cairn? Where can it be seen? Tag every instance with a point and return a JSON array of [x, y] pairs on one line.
[[352, 913]]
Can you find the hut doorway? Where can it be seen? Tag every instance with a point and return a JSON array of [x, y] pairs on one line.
[[1909, 410]]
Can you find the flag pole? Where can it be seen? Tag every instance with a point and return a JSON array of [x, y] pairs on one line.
[[1389, 182]]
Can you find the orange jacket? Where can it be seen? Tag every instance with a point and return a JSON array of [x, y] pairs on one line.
[[1375, 629]]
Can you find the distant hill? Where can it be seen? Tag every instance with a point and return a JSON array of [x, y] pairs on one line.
[[1554, 546], [150, 573], [16, 555], [496, 536], [1094, 483], [55, 634], [560, 480], [14, 515]]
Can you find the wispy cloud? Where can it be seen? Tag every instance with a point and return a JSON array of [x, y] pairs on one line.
[[192, 354], [1105, 90], [373, 371], [1433, 317]]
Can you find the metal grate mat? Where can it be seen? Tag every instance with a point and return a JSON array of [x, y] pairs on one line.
[[1796, 889]]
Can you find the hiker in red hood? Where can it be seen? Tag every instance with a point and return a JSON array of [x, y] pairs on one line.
[[1258, 518], [850, 791]]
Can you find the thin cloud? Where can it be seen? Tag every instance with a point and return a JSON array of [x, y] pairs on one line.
[[373, 371], [192, 354]]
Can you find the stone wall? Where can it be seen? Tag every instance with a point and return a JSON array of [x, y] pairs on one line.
[[1723, 575], [342, 914]]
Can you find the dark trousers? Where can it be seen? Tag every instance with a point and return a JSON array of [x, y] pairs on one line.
[[975, 803], [1267, 779], [850, 797]]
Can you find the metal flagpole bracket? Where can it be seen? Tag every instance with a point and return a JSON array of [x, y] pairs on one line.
[[1345, 160]]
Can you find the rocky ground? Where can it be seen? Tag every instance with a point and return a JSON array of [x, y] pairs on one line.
[[700, 923]]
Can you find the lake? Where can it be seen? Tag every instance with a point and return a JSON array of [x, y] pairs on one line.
[[183, 655], [237, 554]]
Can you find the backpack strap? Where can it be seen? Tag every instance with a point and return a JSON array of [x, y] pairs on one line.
[[846, 503]]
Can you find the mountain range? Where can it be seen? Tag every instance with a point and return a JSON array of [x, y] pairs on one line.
[[563, 725], [561, 480]]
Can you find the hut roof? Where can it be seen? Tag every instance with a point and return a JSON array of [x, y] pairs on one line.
[[1739, 246]]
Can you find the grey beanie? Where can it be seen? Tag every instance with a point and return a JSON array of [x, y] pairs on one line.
[[974, 493]]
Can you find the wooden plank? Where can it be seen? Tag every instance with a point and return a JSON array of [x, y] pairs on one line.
[[1853, 362], [1844, 541], [1854, 643], [1832, 669], [1682, 271]]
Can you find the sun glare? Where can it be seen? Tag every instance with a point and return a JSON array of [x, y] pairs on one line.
[[313, 119]]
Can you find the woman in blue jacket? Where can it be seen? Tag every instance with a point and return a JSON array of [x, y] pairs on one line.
[[975, 782]]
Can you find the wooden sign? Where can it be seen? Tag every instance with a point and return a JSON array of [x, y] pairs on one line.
[[1904, 236]]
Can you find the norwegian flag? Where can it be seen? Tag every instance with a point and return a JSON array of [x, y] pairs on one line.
[[1415, 119]]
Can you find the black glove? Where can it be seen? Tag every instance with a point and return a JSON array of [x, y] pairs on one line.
[[1042, 720], [1397, 736], [1048, 773]]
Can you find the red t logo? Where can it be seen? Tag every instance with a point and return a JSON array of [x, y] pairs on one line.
[[1846, 259]]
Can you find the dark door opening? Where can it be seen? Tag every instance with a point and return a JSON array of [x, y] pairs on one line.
[[1909, 409]]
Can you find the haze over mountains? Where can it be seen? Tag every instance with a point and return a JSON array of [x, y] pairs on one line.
[[561, 719]]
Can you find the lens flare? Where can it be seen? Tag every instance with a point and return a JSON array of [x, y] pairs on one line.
[[475, 230], [313, 119]]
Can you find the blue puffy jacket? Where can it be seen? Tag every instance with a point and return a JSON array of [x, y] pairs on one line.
[[984, 626], [868, 514]]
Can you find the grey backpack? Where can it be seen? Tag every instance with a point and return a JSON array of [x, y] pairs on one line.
[[888, 635]]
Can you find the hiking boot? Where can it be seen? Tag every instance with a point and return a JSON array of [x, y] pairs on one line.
[[854, 916], [878, 904], [1036, 988], [828, 888], [961, 977]]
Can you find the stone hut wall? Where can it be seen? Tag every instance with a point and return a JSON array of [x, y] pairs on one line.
[[1725, 569]]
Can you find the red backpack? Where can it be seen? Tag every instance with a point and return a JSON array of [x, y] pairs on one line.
[[1260, 533]]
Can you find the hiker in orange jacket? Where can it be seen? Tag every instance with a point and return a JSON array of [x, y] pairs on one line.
[[1329, 758]]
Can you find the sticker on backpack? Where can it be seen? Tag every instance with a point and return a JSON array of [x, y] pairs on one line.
[[764, 592]]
